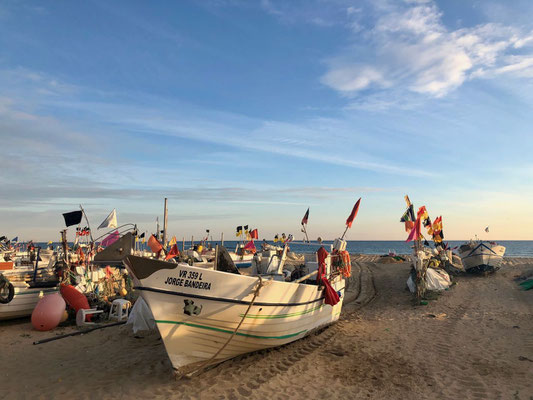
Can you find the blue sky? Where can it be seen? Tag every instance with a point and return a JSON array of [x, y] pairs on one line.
[[248, 112]]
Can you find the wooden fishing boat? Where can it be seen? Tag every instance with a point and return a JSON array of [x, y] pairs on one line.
[[481, 256], [22, 297], [206, 316]]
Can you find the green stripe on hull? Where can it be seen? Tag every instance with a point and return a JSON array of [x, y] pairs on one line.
[[37, 291], [212, 328], [294, 314]]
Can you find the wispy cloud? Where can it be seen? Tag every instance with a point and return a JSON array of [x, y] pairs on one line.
[[413, 50]]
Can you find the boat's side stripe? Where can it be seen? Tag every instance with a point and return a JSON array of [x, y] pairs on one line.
[[294, 314], [212, 328], [235, 301]]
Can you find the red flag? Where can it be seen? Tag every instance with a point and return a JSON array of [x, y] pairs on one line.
[[306, 217], [173, 252], [415, 232], [154, 244], [250, 246], [254, 234], [353, 214]]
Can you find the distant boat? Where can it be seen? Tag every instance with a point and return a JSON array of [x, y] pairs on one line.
[[197, 310], [481, 256], [23, 283]]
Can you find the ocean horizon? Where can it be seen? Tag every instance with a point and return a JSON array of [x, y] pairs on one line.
[[514, 248]]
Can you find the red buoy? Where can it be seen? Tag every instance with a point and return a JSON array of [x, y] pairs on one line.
[[75, 298]]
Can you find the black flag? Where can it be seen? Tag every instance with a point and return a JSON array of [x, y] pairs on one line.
[[73, 218]]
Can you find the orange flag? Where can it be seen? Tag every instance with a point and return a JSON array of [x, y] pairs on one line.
[[154, 244], [353, 214]]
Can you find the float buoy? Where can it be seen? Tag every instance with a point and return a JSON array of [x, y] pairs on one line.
[[75, 299], [48, 312]]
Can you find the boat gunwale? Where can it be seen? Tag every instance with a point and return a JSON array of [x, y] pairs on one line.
[[234, 301]]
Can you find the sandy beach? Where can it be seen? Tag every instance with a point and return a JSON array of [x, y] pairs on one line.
[[474, 342]]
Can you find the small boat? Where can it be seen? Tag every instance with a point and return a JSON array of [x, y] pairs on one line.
[[481, 256], [206, 316], [23, 299]]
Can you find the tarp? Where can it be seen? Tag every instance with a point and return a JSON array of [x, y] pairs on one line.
[[436, 280], [141, 318]]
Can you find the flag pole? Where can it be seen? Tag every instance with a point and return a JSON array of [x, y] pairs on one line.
[[88, 225], [165, 220], [346, 230], [305, 231]]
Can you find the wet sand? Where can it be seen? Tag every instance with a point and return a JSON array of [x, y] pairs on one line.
[[474, 342]]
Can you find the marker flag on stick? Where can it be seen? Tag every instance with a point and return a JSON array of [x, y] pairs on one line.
[[154, 245], [110, 221], [306, 217], [173, 252], [73, 218], [352, 216], [415, 232]]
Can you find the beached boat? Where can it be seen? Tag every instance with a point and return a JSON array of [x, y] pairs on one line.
[[206, 316], [481, 256], [24, 298]]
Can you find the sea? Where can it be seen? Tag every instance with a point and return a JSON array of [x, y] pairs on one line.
[[514, 248]]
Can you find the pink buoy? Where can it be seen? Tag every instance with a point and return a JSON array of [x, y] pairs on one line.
[[48, 312]]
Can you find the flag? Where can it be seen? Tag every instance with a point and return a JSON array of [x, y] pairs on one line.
[[246, 229], [250, 246], [15, 239], [487, 229], [415, 232], [173, 252], [283, 238], [254, 234], [422, 212], [49, 242], [155, 246], [306, 217], [110, 239], [239, 231], [110, 221], [406, 216], [276, 238], [352, 216], [73, 218], [173, 241]]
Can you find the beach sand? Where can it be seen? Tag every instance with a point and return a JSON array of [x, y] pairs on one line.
[[474, 342]]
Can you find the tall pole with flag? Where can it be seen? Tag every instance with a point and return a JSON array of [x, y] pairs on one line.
[[351, 217], [304, 223], [88, 225]]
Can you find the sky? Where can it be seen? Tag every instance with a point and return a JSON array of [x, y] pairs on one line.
[[249, 112]]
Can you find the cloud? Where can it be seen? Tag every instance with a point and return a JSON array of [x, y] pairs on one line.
[[408, 47]]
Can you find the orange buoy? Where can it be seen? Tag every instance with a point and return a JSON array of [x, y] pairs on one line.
[[75, 299], [48, 312]]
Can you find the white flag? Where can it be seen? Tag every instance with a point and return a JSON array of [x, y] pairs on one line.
[[110, 221]]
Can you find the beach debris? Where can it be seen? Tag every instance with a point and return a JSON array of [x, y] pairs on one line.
[[48, 312], [440, 316], [527, 285], [141, 318], [81, 332]]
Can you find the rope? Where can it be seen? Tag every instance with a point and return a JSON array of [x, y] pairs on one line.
[[205, 363]]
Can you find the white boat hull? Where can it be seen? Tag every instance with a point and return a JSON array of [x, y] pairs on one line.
[[24, 301], [481, 254], [197, 310]]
